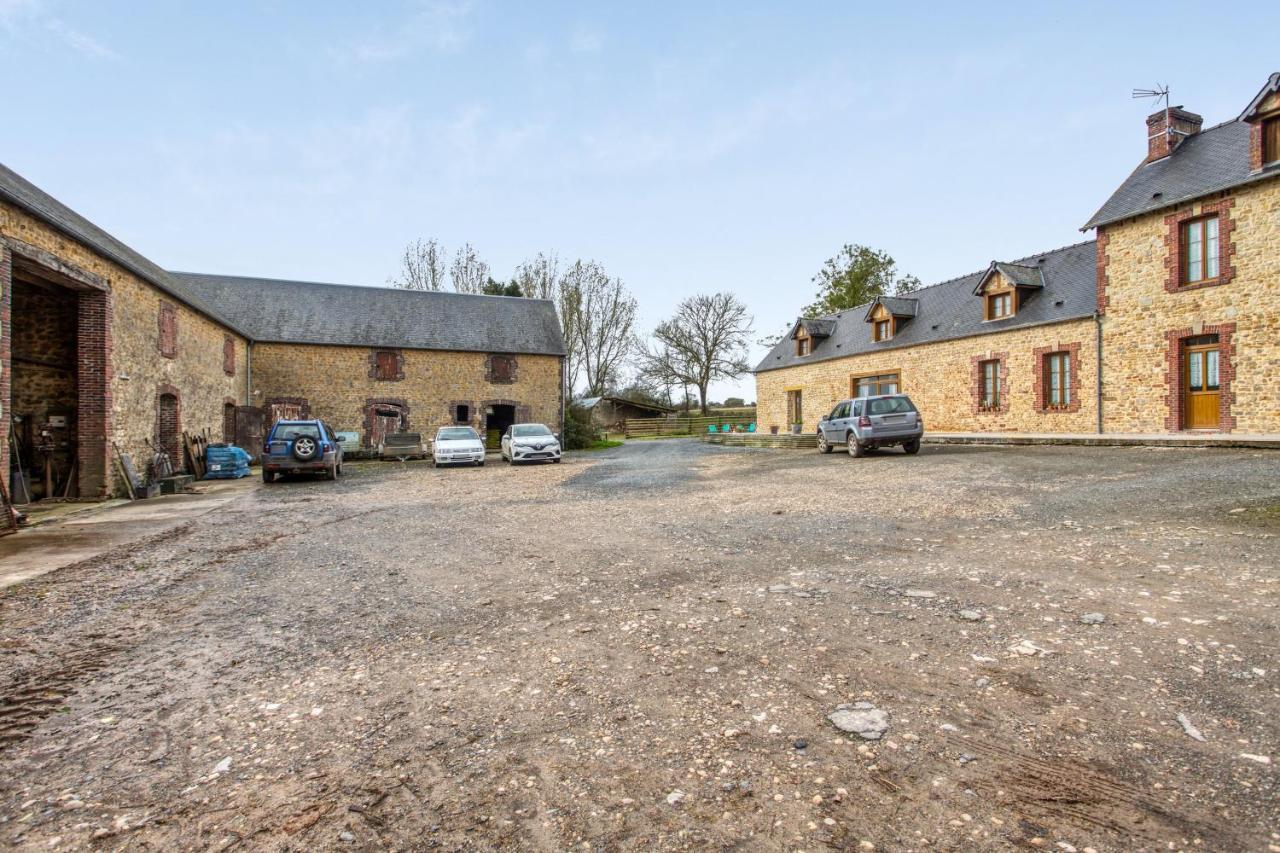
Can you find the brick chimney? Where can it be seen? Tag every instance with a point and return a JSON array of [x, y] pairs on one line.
[[1167, 128]]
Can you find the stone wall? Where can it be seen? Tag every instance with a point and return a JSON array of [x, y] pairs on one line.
[[121, 370], [941, 380], [1146, 316], [339, 383]]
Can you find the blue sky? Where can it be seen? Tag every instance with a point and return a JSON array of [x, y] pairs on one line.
[[689, 147]]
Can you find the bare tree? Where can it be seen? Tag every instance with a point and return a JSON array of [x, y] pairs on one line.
[[422, 267], [468, 273], [705, 341], [539, 277], [597, 315]]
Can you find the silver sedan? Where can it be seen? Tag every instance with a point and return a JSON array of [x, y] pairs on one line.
[[530, 443]]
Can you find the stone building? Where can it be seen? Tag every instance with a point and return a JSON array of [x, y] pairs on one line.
[[1169, 321], [373, 360], [104, 352]]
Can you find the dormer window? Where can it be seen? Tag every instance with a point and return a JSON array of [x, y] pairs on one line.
[[1271, 141], [883, 329], [999, 305], [1004, 287], [888, 314]]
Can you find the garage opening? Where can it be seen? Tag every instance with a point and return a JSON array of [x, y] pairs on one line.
[[45, 394], [497, 417]]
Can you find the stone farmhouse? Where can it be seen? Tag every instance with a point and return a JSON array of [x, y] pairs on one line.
[[1168, 321], [102, 350]]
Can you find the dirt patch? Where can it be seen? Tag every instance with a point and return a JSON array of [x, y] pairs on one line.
[[640, 649]]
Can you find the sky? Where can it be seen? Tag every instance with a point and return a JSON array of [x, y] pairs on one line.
[[688, 147]]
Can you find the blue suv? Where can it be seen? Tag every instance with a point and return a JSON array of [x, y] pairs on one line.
[[301, 447]]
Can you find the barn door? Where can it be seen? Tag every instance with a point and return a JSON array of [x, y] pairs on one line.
[[251, 429]]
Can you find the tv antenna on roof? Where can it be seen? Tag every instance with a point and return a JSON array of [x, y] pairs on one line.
[[1158, 94]]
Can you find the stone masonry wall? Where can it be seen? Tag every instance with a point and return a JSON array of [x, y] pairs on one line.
[[339, 382], [940, 378], [134, 367], [1143, 314]]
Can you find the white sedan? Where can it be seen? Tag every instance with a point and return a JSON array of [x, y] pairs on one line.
[[530, 443], [457, 445]]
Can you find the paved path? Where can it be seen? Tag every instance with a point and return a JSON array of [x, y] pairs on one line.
[[94, 531]]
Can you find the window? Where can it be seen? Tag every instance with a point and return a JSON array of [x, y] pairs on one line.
[[502, 368], [1057, 371], [999, 305], [883, 330], [795, 406], [840, 411], [168, 342], [804, 346], [1200, 250], [1271, 140], [871, 386], [889, 406], [461, 414], [386, 365], [989, 390]]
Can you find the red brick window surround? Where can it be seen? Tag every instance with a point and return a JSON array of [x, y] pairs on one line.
[[229, 356], [1175, 419], [168, 322], [990, 381], [500, 369], [386, 365], [1057, 378], [1206, 233]]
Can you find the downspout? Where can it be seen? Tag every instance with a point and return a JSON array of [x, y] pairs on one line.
[[248, 372], [564, 379], [1097, 335]]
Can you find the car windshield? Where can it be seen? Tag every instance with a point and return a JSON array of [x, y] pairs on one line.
[[529, 430], [889, 406], [456, 434], [288, 432]]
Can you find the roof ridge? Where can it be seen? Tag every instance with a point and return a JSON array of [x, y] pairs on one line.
[[912, 294], [251, 278]]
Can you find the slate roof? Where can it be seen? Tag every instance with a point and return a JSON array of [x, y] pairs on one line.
[[949, 310], [1210, 161], [25, 195], [816, 326], [305, 312]]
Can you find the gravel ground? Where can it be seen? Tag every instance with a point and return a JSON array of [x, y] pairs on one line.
[[641, 648]]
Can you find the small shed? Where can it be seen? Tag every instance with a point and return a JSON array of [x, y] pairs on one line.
[[609, 412]]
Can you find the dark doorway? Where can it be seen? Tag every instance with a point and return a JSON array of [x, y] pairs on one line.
[[497, 417], [44, 390]]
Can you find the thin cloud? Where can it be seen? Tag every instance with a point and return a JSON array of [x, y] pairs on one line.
[[586, 40], [28, 19], [433, 25]]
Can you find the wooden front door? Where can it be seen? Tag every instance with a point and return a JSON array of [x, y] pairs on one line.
[[1201, 388]]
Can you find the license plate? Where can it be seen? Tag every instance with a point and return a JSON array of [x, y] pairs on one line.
[[215, 467]]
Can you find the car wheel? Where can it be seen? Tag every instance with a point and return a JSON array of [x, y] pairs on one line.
[[823, 446], [268, 476], [912, 446], [479, 463], [855, 448]]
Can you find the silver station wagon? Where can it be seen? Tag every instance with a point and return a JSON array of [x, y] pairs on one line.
[[865, 423]]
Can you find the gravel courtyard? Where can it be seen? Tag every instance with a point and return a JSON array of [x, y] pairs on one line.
[[639, 649]]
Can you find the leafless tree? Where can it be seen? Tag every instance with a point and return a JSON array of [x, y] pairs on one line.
[[539, 277], [597, 314], [468, 273], [705, 341], [422, 267]]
